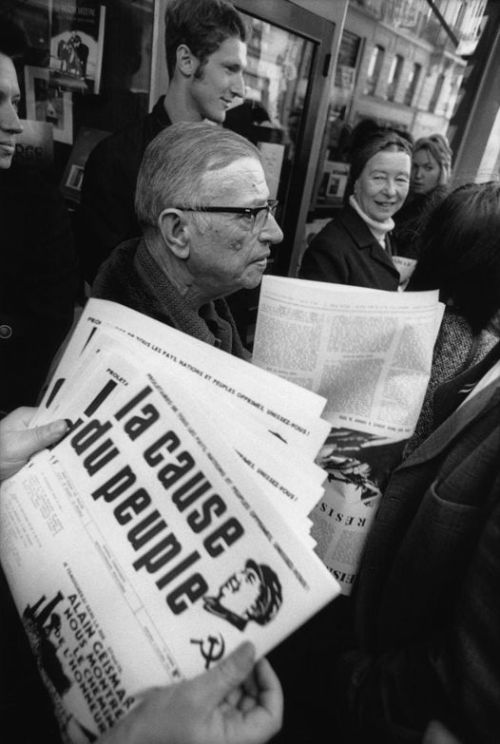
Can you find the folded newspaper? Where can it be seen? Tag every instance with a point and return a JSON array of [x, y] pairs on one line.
[[369, 353], [169, 524]]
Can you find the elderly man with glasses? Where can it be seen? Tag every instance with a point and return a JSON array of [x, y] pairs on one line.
[[207, 228]]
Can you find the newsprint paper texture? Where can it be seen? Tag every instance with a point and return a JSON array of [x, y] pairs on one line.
[[141, 549], [369, 353], [288, 410]]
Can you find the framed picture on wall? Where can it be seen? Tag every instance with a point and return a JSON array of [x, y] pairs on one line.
[[86, 140], [48, 102], [333, 183], [337, 180]]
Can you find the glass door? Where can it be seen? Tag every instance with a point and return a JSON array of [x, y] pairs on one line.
[[288, 61]]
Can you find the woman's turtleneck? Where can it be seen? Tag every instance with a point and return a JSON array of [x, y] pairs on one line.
[[378, 229]]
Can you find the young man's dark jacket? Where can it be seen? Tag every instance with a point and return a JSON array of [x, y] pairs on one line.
[[38, 282], [106, 215]]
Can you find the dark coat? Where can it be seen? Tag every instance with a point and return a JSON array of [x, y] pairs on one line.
[[423, 623], [106, 214], [38, 282], [428, 600], [346, 252]]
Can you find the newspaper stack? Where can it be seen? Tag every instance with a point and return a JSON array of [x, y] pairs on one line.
[[369, 352], [171, 522]]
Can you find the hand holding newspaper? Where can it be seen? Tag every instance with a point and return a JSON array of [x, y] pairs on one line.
[[156, 536], [369, 353]]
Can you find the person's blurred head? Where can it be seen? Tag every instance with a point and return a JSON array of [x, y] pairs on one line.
[[380, 173], [460, 252], [206, 50], [431, 164], [192, 166], [12, 45]]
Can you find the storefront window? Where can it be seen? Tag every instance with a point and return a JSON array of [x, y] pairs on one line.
[[413, 81], [374, 68], [394, 77], [86, 73], [277, 78], [412, 63]]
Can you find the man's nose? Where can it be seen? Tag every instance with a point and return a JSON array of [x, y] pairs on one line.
[[9, 120], [272, 232], [238, 88]]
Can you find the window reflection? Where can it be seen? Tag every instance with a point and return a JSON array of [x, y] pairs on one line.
[[374, 68], [407, 63], [277, 79]]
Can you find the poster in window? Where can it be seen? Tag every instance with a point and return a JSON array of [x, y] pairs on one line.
[[76, 44]]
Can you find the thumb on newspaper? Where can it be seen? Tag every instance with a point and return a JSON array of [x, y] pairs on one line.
[[243, 699], [43, 436], [18, 441], [237, 702]]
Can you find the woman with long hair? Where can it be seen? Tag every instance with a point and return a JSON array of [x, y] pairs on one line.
[[429, 184]]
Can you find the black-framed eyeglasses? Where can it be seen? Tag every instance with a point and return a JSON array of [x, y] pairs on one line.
[[257, 215]]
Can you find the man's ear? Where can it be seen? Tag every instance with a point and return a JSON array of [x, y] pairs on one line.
[[185, 60], [175, 232]]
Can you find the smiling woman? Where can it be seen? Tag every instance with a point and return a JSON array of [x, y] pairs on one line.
[[355, 247], [382, 185]]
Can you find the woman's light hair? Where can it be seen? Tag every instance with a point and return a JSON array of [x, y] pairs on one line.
[[438, 146], [175, 162]]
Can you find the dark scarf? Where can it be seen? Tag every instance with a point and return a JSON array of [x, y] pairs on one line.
[[132, 277]]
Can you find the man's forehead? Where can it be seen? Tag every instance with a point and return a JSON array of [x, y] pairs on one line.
[[231, 51], [244, 176]]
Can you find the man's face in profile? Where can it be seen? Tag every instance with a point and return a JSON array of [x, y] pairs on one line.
[[10, 125], [230, 251], [218, 84]]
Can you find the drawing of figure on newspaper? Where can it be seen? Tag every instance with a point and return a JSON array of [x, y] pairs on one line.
[[43, 624], [360, 459], [351, 471], [253, 593]]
